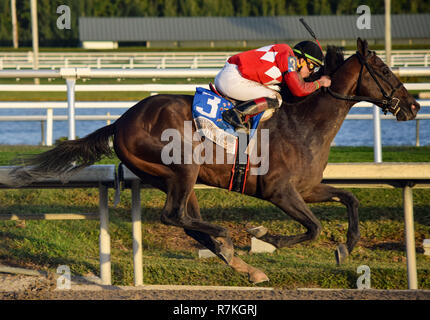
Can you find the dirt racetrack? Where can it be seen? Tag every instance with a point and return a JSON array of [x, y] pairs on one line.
[[19, 287]]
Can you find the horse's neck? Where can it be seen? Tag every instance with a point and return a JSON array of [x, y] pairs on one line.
[[321, 117], [344, 82]]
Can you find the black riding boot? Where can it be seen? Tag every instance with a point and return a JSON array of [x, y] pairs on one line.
[[239, 115]]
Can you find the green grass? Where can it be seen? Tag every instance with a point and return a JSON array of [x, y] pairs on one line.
[[119, 96], [92, 96], [116, 96], [389, 154], [170, 257], [80, 96]]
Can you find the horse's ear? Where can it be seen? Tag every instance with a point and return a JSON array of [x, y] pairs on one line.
[[362, 46]]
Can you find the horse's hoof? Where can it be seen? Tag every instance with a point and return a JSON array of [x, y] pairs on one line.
[[341, 253], [257, 276], [257, 232]]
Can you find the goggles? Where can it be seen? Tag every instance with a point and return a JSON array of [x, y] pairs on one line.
[[313, 67]]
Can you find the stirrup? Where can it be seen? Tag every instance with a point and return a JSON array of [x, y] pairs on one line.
[[234, 118]]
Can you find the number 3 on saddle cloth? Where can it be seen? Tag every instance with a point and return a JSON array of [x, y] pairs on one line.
[[207, 112]]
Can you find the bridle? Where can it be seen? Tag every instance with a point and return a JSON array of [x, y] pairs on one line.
[[389, 103]]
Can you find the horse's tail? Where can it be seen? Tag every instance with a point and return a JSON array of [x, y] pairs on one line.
[[66, 158]]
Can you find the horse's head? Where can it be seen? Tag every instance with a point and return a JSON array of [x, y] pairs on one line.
[[378, 82]]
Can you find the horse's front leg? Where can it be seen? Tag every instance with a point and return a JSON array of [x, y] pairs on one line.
[[322, 193], [291, 202]]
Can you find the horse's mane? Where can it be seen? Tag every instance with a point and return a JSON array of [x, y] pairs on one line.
[[334, 58]]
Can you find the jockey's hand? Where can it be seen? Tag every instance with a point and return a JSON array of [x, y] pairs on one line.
[[325, 81]]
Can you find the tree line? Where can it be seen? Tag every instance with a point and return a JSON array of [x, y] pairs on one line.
[[50, 35]]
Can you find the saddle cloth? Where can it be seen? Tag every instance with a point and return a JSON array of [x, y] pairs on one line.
[[207, 112]]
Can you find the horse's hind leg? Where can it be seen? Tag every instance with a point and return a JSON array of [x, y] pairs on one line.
[[179, 189], [193, 210], [323, 193], [255, 275]]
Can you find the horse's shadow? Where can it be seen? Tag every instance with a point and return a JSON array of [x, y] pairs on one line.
[[261, 211], [324, 213], [43, 258]]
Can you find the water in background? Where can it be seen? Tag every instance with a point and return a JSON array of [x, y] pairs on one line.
[[352, 132], [393, 133]]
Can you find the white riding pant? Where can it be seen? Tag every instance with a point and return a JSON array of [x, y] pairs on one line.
[[230, 82]]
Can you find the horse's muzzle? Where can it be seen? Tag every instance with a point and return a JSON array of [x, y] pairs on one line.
[[413, 109]]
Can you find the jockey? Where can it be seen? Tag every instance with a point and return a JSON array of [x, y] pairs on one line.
[[255, 75]]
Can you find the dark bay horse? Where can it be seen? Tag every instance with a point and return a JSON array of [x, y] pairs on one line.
[[300, 135]]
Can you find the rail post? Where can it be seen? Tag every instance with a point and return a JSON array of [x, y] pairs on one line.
[[35, 37], [377, 148], [410, 236], [137, 233], [43, 134], [195, 63], [71, 82], [417, 133], [104, 240], [49, 126]]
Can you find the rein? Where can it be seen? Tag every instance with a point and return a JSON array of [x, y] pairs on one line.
[[390, 103]]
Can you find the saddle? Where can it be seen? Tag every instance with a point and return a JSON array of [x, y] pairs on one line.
[[214, 90]]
